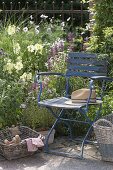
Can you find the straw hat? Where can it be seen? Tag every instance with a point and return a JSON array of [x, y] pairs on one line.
[[81, 96]]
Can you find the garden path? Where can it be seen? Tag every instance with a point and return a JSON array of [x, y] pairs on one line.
[[43, 161]]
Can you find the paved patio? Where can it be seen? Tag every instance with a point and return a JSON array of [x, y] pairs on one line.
[[43, 161]]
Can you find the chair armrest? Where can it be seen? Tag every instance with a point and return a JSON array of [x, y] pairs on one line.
[[49, 74], [102, 78], [39, 81]]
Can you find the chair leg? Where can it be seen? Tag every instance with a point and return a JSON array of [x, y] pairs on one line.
[[67, 123], [58, 120], [84, 140], [54, 125]]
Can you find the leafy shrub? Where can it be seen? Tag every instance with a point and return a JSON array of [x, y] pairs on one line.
[[101, 41], [36, 117]]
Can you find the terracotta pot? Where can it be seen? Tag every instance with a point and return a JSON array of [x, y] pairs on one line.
[[51, 138]]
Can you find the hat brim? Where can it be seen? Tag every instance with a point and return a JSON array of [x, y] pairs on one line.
[[70, 102]]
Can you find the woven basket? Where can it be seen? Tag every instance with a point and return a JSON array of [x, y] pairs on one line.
[[103, 129], [15, 151]]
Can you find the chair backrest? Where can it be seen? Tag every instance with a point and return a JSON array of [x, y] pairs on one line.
[[85, 65]]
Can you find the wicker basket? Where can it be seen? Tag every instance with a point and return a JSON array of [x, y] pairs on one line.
[[103, 129], [16, 150]]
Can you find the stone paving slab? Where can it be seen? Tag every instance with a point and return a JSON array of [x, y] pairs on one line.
[[43, 161]]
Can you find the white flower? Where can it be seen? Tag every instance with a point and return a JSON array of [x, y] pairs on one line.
[[92, 20], [37, 27], [37, 31], [35, 48], [63, 24], [11, 29], [25, 29], [31, 22], [46, 64], [68, 19], [18, 66], [38, 48], [23, 77], [43, 16], [46, 79], [7, 60], [16, 48], [29, 76], [51, 20], [18, 29], [49, 91], [31, 48], [19, 58], [9, 66], [26, 76], [23, 106], [49, 30], [31, 17], [88, 26]]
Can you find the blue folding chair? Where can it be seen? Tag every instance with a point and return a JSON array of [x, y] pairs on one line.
[[83, 65]]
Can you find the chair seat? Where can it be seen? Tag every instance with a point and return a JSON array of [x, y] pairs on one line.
[[61, 102]]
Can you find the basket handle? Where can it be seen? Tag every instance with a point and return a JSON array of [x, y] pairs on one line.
[[104, 121]]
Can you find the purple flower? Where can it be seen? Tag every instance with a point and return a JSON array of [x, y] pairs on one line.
[[34, 86], [70, 37], [49, 63], [60, 45], [71, 47], [53, 50], [86, 39]]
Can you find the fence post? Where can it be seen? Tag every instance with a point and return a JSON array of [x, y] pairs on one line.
[[72, 13], [81, 14], [44, 6], [11, 7], [27, 5], [53, 8], [19, 6], [36, 11], [62, 10], [3, 4]]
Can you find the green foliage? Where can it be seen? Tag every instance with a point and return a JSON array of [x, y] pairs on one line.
[[103, 46], [101, 41], [103, 15], [36, 117], [11, 96], [25, 48]]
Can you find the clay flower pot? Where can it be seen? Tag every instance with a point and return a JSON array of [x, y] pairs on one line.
[[45, 132]]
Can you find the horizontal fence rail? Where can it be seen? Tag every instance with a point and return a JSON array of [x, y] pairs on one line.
[[17, 8]]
